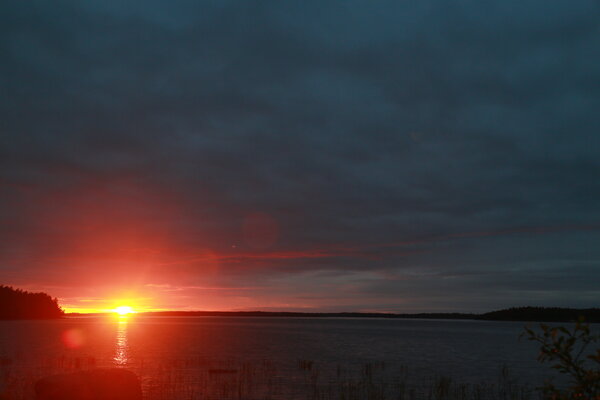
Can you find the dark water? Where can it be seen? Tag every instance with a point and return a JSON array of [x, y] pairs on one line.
[[469, 351]]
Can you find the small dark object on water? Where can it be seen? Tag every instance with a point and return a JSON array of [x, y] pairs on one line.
[[222, 371], [95, 384], [305, 365]]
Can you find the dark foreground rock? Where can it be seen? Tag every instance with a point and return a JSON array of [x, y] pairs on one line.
[[96, 384]]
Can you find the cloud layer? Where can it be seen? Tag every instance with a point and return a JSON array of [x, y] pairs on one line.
[[352, 155]]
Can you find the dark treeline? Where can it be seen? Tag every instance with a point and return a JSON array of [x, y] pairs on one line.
[[20, 304], [544, 314], [305, 314], [541, 314]]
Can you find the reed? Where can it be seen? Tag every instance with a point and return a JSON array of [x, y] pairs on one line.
[[209, 379]]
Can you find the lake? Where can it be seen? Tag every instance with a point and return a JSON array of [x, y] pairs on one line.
[[178, 357]]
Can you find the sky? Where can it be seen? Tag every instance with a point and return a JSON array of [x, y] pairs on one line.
[[389, 156]]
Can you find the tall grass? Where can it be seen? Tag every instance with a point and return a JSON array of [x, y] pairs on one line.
[[207, 379]]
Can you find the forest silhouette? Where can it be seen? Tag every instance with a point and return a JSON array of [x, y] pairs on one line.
[[541, 314], [21, 304]]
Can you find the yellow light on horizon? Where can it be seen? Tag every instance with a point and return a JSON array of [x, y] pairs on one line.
[[124, 310]]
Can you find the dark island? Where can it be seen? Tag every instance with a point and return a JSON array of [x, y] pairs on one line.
[[543, 314], [20, 304]]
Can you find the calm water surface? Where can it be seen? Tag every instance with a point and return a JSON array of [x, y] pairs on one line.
[[470, 351]]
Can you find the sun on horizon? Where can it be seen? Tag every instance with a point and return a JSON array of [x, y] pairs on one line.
[[124, 310]]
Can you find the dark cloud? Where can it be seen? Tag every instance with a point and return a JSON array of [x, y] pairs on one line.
[[407, 155]]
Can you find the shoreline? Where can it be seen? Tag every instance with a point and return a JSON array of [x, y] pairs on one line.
[[521, 314]]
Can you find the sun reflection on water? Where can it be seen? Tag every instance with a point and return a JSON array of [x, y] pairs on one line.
[[121, 356]]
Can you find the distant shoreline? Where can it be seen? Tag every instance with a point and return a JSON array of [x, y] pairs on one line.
[[526, 314]]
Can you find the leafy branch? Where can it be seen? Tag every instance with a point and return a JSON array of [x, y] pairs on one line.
[[566, 350]]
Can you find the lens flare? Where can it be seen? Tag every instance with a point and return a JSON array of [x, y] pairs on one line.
[[73, 338]]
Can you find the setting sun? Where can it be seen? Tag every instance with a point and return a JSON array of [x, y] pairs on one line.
[[124, 310]]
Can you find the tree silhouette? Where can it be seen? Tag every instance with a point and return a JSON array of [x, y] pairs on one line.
[[20, 304]]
